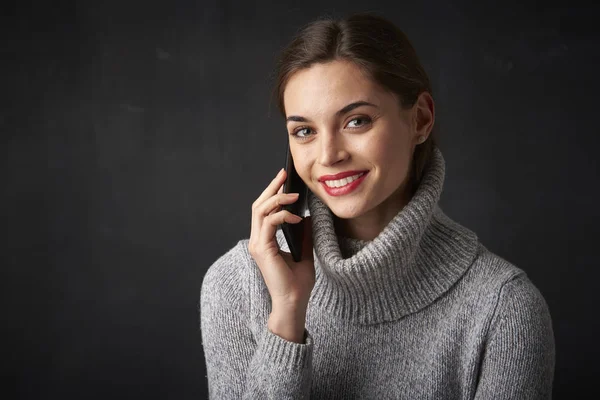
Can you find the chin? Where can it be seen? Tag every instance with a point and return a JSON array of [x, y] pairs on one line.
[[348, 211]]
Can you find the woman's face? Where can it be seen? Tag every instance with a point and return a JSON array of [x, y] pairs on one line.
[[332, 133]]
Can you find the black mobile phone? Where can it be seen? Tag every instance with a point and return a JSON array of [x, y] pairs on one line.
[[294, 233]]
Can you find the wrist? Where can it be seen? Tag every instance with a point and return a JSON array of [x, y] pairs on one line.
[[288, 326], [289, 309]]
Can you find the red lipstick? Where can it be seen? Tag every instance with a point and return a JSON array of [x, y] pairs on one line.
[[341, 175], [350, 187]]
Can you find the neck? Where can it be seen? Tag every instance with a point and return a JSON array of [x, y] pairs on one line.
[[415, 259], [371, 223]]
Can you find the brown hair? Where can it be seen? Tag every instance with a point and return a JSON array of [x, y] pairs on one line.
[[378, 47]]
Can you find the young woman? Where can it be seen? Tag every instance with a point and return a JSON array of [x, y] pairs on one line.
[[392, 299]]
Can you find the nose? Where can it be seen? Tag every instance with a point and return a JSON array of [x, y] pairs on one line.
[[332, 149]]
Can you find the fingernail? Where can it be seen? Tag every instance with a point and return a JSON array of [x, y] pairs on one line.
[[280, 171]]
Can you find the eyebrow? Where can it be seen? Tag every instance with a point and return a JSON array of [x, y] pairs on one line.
[[346, 109]]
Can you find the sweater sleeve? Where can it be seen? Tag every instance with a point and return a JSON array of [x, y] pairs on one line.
[[240, 365], [519, 358]]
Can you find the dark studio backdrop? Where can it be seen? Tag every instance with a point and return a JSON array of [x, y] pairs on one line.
[[135, 136]]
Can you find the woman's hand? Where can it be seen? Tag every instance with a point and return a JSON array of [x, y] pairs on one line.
[[290, 283]]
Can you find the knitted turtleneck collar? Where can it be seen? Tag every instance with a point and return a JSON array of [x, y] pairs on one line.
[[417, 257]]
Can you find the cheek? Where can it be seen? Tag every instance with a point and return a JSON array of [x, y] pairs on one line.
[[383, 149], [391, 153], [303, 169]]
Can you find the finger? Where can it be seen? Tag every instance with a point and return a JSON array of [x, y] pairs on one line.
[[278, 208], [271, 222], [274, 204], [272, 188], [256, 223]]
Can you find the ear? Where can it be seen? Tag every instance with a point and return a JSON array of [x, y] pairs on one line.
[[423, 115]]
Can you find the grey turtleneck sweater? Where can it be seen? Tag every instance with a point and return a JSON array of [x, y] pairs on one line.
[[423, 311]]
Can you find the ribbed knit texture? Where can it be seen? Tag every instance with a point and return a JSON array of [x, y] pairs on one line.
[[423, 311]]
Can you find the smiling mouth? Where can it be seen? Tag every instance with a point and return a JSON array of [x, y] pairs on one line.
[[344, 186], [343, 182]]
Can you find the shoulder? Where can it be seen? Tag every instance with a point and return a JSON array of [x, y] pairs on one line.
[[509, 291], [520, 334], [518, 348], [489, 272], [224, 281], [521, 306]]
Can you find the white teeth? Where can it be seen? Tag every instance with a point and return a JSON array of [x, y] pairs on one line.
[[343, 182]]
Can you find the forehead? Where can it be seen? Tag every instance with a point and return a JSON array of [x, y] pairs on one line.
[[325, 88]]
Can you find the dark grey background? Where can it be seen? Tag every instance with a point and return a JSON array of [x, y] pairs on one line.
[[135, 136]]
